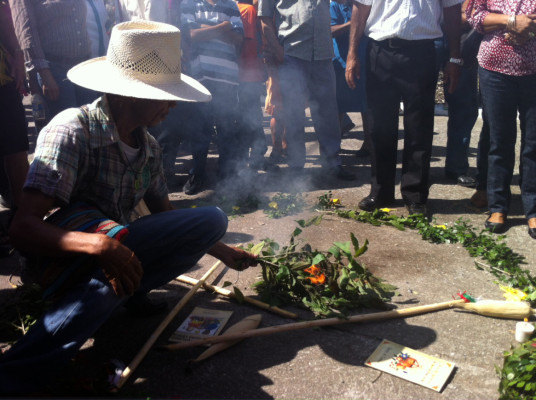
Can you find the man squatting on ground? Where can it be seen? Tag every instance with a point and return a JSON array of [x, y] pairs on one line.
[[96, 163]]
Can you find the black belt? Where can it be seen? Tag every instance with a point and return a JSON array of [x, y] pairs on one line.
[[397, 43]]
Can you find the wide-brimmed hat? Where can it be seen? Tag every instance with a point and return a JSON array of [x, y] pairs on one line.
[[143, 61]]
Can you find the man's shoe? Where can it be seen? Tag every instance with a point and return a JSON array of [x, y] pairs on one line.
[[371, 203], [340, 173], [496, 227], [264, 165], [462, 180], [417, 208], [532, 233], [194, 184]]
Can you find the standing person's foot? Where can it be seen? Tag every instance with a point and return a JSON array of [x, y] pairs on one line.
[[194, 184], [264, 165], [532, 227], [479, 199], [370, 203], [462, 179], [417, 209], [277, 156], [496, 222]]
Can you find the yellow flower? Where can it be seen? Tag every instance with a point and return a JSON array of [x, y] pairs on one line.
[[512, 294], [440, 226], [336, 201], [236, 208], [273, 204], [194, 206], [385, 210]]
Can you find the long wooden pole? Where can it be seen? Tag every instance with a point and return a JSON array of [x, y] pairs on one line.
[[316, 323], [229, 293], [127, 372]]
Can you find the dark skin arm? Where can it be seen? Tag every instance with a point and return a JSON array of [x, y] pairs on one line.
[[231, 256], [120, 265], [273, 51], [223, 31], [360, 14]]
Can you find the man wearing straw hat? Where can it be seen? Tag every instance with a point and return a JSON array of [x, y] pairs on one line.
[[92, 166]]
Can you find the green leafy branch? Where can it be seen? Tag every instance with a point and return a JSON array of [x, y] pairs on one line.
[[518, 375], [283, 204], [329, 283]]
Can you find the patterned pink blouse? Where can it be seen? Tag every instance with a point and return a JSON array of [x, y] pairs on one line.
[[496, 53]]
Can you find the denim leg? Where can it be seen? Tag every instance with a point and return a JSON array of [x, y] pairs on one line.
[[463, 112], [324, 111], [292, 82], [37, 358], [250, 117], [170, 243], [527, 110], [500, 100], [482, 155]]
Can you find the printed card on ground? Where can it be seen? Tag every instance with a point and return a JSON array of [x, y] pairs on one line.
[[411, 365], [200, 324]]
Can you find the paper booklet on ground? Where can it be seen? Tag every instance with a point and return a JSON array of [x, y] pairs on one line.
[[200, 324], [411, 365]]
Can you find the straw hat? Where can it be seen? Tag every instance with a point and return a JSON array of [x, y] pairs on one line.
[[143, 61]]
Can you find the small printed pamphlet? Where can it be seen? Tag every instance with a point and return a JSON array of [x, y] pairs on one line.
[[200, 324], [411, 365]]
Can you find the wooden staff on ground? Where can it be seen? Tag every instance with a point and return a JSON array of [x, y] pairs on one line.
[[500, 309]]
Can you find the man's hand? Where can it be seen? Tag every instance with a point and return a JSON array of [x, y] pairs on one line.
[[121, 267], [451, 76], [273, 55], [50, 87], [352, 71], [233, 257]]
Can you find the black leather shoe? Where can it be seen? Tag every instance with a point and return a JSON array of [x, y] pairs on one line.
[[496, 227], [194, 184], [417, 208], [532, 233], [371, 203], [462, 180]]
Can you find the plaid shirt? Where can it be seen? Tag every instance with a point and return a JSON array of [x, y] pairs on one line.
[[78, 158]]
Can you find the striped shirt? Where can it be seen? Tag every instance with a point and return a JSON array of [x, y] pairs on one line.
[[496, 53], [212, 60], [405, 19], [51, 28], [75, 163]]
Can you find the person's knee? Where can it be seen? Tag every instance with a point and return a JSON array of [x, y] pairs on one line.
[[218, 219]]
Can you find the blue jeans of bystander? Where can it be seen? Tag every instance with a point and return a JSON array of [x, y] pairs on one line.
[[503, 96]]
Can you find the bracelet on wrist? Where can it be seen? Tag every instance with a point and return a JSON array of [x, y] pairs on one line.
[[511, 24]]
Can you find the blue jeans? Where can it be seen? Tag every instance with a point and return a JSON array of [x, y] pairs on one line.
[[503, 96], [463, 113], [250, 120], [302, 80], [167, 245]]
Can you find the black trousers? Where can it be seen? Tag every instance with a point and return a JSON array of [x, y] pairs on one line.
[[399, 70]]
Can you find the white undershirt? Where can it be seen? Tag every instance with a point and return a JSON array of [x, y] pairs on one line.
[[131, 153]]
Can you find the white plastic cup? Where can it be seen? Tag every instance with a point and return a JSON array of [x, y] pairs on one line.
[[524, 331]]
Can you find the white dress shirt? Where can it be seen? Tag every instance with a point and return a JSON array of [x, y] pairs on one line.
[[405, 19]]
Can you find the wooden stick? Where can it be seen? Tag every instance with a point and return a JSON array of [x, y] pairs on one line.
[[319, 322], [127, 372], [231, 294], [501, 309]]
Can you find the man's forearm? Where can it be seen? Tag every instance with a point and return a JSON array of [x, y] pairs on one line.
[[360, 14]]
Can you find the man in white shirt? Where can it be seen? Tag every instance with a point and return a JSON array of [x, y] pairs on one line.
[[401, 66]]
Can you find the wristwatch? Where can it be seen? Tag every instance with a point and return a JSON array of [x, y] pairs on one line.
[[457, 61]]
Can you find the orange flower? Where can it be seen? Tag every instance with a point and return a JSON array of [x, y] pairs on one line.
[[313, 270], [318, 279]]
